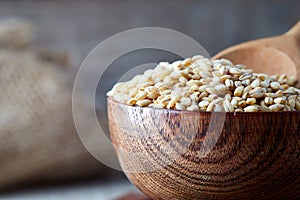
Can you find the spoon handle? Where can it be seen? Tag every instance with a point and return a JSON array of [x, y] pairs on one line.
[[295, 31]]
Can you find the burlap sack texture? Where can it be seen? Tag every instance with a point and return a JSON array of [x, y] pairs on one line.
[[38, 140]]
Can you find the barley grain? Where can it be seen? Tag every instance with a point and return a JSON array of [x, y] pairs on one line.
[[204, 103], [263, 109], [268, 100], [242, 103], [291, 80], [276, 107], [131, 102], [297, 105], [210, 107], [185, 101], [245, 76], [179, 106], [255, 83], [280, 100], [258, 92], [228, 107], [141, 95], [203, 94], [234, 102], [251, 101], [238, 91], [251, 109], [143, 103]]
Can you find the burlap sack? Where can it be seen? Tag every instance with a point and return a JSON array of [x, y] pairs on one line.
[[38, 140], [15, 33]]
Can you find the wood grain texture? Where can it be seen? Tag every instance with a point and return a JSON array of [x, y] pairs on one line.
[[255, 157]]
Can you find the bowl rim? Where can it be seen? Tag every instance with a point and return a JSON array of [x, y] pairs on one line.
[[109, 98]]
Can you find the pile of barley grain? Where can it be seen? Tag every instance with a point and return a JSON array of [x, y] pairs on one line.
[[200, 84]]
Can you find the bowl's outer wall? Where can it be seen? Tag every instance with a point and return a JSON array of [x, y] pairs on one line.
[[255, 157]]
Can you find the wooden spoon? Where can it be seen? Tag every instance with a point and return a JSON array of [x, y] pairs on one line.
[[274, 55]]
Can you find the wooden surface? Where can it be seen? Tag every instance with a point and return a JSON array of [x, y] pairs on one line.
[[256, 156]]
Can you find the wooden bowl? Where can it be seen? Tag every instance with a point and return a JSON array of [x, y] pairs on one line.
[[255, 156]]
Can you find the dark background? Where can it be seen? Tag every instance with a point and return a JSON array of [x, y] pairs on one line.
[[79, 25]]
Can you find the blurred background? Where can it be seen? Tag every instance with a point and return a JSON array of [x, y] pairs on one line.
[[79, 26], [43, 155]]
